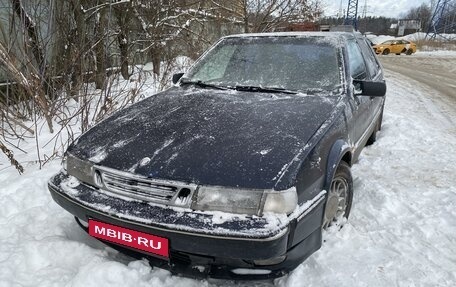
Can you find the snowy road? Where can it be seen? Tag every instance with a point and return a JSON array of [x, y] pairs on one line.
[[402, 230], [436, 72]]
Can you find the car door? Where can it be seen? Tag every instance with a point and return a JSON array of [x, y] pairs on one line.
[[374, 74], [393, 46], [358, 71], [398, 47]]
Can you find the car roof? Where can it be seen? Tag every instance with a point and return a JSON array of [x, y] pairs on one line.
[[339, 35]]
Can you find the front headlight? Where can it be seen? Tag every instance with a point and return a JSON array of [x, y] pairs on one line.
[[227, 199], [81, 169], [244, 201], [284, 201]]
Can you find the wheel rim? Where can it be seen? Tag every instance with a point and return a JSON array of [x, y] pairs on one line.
[[337, 201]]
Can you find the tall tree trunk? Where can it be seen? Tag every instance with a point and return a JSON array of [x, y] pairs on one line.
[[123, 16], [123, 46], [100, 50], [77, 44], [156, 61], [246, 16]]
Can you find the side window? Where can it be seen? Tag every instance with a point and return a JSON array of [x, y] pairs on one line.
[[356, 61], [372, 64]]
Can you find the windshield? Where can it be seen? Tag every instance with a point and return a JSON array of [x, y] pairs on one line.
[[291, 63]]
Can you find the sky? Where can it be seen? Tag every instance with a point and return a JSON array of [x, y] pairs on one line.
[[387, 8]]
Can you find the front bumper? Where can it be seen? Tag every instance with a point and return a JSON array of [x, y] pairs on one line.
[[201, 243]]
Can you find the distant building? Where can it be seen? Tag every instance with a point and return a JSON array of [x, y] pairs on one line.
[[298, 26], [406, 26]]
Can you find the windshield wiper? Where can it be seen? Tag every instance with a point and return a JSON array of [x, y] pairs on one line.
[[326, 90], [202, 84], [263, 89]]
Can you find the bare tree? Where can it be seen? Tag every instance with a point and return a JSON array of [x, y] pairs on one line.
[[88, 41], [33, 39], [422, 13], [163, 22], [10, 156], [123, 16], [270, 15]]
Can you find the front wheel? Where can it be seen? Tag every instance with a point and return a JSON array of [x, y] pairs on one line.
[[386, 52], [409, 52], [340, 196]]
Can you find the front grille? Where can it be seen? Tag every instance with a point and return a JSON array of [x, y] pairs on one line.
[[142, 188]]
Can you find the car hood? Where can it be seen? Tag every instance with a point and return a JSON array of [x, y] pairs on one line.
[[211, 137]]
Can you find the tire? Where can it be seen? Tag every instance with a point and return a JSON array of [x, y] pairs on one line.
[[409, 52], [386, 52], [339, 198]]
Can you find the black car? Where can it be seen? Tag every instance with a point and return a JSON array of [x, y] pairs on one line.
[[234, 171]]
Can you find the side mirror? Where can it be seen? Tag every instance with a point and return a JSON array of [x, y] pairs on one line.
[[370, 88], [176, 77]]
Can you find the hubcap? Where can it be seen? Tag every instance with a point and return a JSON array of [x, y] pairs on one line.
[[337, 201]]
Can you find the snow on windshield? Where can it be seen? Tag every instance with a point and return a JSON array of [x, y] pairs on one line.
[[292, 63]]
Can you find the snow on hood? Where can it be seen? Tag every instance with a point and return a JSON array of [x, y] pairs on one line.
[[229, 138]]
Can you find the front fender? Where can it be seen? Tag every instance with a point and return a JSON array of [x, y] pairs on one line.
[[339, 150]]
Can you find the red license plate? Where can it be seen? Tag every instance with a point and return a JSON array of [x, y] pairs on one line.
[[127, 237]]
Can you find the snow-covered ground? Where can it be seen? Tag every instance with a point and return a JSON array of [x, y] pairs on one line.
[[439, 53], [402, 229]]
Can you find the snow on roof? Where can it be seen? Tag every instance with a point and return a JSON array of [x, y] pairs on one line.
[[291, 34]]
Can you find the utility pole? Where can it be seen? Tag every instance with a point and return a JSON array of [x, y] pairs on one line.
[[352, 14], [442, 21], [340, 14], [364, 14]]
